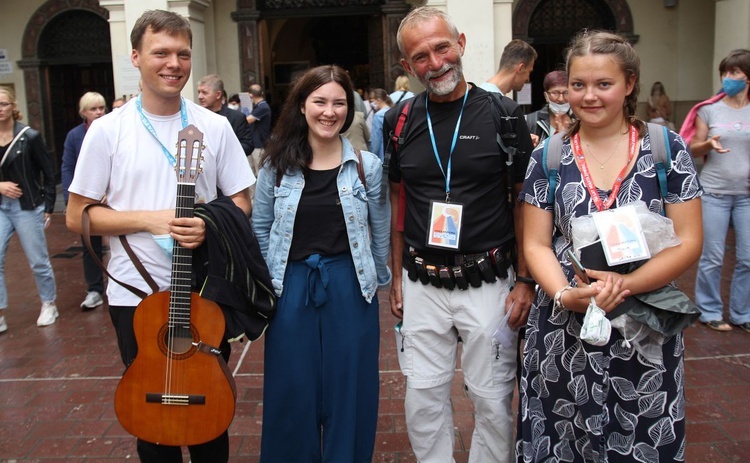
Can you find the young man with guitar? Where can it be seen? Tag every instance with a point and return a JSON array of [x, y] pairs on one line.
[[129, 156]]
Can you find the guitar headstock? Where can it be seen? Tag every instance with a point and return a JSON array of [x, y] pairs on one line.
[[189, 154]]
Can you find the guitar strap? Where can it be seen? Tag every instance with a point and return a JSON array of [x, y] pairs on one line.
[[86, 229]]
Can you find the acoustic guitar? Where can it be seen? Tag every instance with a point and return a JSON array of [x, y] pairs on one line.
[[178, 390]]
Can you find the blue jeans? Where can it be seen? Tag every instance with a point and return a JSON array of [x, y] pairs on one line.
[[30, 228], [717, 209]]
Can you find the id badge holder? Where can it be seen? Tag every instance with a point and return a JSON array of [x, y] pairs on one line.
[[444, 226], [621, 235]]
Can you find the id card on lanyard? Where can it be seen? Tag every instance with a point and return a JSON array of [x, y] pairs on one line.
[[619, 229], [446, 217]]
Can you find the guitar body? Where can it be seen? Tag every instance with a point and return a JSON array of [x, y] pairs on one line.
[[175, 393]]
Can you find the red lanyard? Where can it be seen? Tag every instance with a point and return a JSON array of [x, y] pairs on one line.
[[575, 141]]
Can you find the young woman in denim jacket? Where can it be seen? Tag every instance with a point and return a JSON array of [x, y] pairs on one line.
[[325, 235]]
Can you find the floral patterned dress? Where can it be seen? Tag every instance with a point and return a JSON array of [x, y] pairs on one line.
[[583, 403]]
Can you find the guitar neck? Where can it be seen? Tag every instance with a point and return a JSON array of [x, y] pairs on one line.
[[182, 262]]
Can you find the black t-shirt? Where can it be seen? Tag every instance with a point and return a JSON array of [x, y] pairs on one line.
[[478, 178], [319, 226]]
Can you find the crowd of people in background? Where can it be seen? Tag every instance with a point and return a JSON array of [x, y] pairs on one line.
[[478, 235]]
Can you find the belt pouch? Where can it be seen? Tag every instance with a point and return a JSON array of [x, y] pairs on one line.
[[411, 268], [472, 274], [421, 272], [485, 269], [432, 274], [500, 263], [446, 277], [460, 277]]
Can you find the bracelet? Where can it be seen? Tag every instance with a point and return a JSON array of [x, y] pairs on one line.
[[558, 303], [528, 281]]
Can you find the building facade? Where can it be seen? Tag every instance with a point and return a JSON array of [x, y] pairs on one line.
[[52, 51]]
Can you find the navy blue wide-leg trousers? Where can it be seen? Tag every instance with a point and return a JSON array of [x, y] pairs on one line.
[[320, 390]]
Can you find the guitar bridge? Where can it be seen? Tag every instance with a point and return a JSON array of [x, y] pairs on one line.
[[175, 399]]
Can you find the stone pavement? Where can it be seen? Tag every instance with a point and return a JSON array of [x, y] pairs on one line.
[[57, 383]]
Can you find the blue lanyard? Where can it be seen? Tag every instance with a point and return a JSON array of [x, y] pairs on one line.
[[453, 144], [150, 128]]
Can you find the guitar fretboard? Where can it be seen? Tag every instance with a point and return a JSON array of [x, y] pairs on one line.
[[182, 267]]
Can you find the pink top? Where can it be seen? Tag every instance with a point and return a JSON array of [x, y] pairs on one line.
[[687, 131]]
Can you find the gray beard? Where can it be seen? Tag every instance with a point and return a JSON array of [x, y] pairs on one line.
[[443, 88]]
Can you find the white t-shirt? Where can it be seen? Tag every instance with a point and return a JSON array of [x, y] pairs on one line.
[[121, 159]]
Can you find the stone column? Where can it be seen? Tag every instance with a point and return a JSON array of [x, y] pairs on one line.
[[35, 117], [393, 12], [247, 18]]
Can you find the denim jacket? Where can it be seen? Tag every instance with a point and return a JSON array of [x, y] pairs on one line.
[[367, 219]]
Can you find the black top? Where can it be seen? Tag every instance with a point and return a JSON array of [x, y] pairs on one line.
[[479, 175], [319, 226]]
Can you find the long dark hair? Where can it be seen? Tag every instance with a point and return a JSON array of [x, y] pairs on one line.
[[288, 147]]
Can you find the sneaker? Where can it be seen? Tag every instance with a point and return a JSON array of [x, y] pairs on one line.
[[93, 300], [48, 315], [3, 324]]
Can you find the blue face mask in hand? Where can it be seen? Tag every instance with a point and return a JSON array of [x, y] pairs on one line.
[[733, 86], [166, 243]]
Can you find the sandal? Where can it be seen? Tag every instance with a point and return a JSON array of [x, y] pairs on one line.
[[719, 325], [744, 327]]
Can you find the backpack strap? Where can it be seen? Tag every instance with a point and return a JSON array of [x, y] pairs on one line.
[[506, 136], [397, 138], [551, 156], [661, 153]]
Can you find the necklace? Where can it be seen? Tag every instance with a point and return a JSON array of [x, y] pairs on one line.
[[601, 164]]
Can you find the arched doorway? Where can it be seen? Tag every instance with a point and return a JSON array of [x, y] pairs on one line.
[[65, 54], [549, 25], [298, 44], [360, 35]]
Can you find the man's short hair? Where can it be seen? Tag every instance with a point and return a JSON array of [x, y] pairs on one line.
[[159, 21], [420, 15], [256, 90], [517, 52], [214, 82]]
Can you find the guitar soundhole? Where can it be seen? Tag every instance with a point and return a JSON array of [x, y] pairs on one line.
[[177, 342]]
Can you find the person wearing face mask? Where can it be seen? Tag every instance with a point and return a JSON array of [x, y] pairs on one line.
[[720, 131], [234, 103], [556, 115]]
